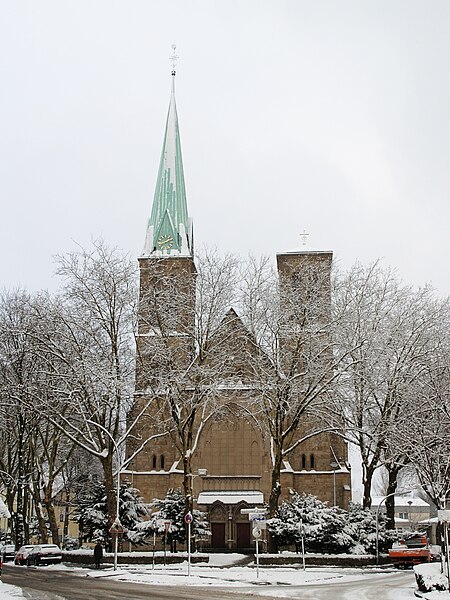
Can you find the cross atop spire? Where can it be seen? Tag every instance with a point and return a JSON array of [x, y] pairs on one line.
[[304, 237], [173, 60], [169, 229]]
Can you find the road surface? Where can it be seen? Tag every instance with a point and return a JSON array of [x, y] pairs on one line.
[[41, 584]]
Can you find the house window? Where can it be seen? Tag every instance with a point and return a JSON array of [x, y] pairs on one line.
[[403, 515], [303, 461], [312, 461], [154, 462], [161, 462], [61, 517]]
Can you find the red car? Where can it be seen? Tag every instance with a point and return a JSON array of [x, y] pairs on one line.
[[44, 554], [22, 553]]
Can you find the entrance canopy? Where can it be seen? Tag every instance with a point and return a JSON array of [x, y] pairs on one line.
[[231, 497]]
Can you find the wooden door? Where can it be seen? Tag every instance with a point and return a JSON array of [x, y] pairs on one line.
[[243, 535], [217, 535]]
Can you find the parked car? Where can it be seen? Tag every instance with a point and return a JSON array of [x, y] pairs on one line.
[[1, 565], [8, 552], [44, 554], [22, 553]]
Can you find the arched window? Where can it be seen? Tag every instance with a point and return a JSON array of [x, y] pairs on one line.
[[303, 461], [312, 461], [161, 462], [154, 462]]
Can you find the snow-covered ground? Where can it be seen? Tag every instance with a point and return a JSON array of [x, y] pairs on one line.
[[10, 592], [222, 570]]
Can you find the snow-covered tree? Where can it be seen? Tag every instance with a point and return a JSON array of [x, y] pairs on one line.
[[360, 526], [385, 334], [172, 508], [293, 322], [327, 529], [180, 363], [92, 511], [322, 525]]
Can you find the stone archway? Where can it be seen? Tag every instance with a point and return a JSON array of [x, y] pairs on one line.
[[218, 519]]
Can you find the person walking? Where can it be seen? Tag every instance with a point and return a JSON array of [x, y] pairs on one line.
[[98, 554]]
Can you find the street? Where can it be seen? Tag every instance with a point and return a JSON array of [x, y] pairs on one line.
[[44, 584]]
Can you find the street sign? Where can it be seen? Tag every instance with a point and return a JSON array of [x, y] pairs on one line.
[[257, 517], [444, 516], [256, 532], [255, 509], [188, 518]]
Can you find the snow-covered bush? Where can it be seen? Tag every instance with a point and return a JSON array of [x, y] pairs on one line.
[[429, 577], [172, 508], [70, 543], [360, 527], [325, 528]]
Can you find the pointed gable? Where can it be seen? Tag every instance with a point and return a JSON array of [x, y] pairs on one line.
[[234, 349]]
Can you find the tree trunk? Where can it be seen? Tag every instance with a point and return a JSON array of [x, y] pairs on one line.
[[48, 501], [368, 472], [187, 482], [275, 493], [110, 490], [393, 471]]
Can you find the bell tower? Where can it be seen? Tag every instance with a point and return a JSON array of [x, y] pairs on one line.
[[167, 269]]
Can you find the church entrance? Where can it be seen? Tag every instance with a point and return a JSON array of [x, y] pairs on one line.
[[218, 535], [243, 535]]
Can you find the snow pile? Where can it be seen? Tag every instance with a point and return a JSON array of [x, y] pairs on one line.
[[430, 578], [9, 592]]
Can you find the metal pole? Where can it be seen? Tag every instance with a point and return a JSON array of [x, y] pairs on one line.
[[377, 551], [257, 559], [154, 544], [334, 487], [303, 545], [189, 548], [447, 552]]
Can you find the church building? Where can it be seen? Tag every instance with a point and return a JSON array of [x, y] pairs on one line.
[[228, 453]]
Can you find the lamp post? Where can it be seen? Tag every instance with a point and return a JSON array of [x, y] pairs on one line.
[[334, 465], [376, 520], [116, 526]]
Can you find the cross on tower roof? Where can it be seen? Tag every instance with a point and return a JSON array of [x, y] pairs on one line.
[[173, 59], [304, 237]]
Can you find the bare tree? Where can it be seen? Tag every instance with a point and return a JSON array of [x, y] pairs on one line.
[[298, 362], [386, 337], [182, 326], [424, 433]]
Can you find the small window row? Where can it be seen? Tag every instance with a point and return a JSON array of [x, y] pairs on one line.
[[155, 462]]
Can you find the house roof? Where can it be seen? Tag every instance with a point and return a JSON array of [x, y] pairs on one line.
[[402, 501]]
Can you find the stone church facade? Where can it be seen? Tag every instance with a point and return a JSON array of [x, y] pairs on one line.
[[231, 467]]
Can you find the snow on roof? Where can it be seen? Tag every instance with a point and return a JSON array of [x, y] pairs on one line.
[[403, 501], [231, 497]]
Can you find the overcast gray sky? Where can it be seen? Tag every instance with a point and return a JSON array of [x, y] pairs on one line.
[[328, 116]]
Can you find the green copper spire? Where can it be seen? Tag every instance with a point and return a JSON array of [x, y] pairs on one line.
[[169, 229]]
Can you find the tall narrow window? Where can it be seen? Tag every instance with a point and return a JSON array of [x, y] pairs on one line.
[[303, 461], [312, 461], [161, 462], [154, 462]]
